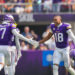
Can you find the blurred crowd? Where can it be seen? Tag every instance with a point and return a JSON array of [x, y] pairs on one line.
[[48, 45], [28, 6]]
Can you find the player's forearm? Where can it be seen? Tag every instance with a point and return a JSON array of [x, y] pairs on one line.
[[46, 38], [43, 40], [33, 42]]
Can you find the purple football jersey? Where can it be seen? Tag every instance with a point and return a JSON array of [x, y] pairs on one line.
[[60, 33], [6, 34]]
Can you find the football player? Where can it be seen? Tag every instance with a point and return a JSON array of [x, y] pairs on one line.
[[7, 30], [61, 33]]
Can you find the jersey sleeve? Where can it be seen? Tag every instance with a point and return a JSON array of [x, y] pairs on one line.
[[51, 30], [13, 26], [68, 26], [51, 27]]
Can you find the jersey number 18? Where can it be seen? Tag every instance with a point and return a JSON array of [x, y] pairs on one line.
[[59, 37]]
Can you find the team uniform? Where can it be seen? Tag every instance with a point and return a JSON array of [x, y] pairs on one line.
[[62, 49], [13, 45], [7, 32], [5, 41]]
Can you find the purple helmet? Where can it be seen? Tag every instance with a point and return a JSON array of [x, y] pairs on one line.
[[9, 18]]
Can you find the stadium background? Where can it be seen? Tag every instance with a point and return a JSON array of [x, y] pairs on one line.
[[37, 16]]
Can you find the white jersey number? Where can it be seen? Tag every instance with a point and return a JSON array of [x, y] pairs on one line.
[[3, 32], [59, 37]]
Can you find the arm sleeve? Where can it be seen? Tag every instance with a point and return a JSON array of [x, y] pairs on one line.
[[13, 26], [71, 35], [14, 32]]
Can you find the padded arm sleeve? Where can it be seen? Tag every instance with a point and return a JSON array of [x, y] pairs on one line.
[[71, 35]]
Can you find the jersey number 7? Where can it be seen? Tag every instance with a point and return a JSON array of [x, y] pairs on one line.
[[3, 30]]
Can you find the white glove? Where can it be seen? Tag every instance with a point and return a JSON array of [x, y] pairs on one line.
[[34, 43]]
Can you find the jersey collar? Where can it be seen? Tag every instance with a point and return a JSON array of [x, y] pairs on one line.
[[59, 25]]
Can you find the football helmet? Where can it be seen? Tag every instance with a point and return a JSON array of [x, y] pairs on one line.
[[8, 18]]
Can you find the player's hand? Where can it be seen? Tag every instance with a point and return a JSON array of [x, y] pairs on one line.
[[34, 43]]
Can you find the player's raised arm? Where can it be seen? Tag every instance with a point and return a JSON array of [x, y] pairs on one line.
[[46, 38], [33, 42], [71, 35], [19, 35]]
